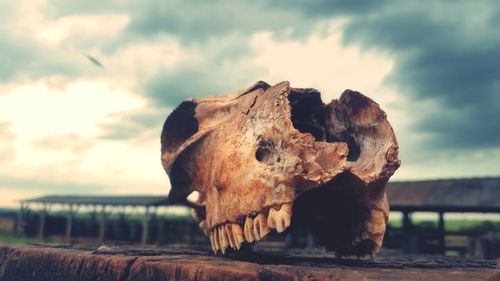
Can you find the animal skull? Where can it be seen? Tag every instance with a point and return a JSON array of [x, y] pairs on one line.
[[268, 158]]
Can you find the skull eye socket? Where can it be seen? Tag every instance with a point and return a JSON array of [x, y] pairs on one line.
[[264, 151], [180, 125]]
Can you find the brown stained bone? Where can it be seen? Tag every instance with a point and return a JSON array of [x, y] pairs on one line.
[[269, 158]]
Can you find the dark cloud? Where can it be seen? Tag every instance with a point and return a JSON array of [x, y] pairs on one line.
[[327, 8], [213, 75], [223, 66], [170, 89], [23, 57], [446, 53], [441, 58], [195, 21]]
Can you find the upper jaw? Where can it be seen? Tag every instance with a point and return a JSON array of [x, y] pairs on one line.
[[249, 228]]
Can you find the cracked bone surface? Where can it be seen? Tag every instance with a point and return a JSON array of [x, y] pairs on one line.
[[270, 158]]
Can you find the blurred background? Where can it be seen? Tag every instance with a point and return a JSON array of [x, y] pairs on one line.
[[85, 87]]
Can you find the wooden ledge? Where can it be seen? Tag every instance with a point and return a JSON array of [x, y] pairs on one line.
[[43, 263]]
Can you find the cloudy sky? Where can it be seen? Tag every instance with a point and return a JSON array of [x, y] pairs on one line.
[[68, 125]]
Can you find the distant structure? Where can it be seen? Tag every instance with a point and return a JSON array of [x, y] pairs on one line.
[[479, 195], [99, 206], [474, 195]]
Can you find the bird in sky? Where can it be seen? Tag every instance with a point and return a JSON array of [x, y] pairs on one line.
[[94, 61]]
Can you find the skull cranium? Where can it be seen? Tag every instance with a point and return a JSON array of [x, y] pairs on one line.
[[268, 158]]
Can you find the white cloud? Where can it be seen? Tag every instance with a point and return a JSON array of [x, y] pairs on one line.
[[139, 61], [324, 63], [58, 133], [74, 109], [37, 110], [62, 110], [30, 18], [128, 166]]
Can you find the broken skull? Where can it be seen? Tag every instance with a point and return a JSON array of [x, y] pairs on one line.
[[270, 158]]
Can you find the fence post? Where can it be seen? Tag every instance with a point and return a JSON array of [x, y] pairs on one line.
[[41, 225], [442, 234], [19, 222], [102, 224], [145, 227], [69, 221], [407, 233]]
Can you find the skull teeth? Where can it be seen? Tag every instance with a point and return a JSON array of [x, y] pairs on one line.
[[224, 243], [260, 227], [203, 226], [238, 235], [216, 240], [271, 218], [231, 235], [280, 219], [211, 238], [248, 231]]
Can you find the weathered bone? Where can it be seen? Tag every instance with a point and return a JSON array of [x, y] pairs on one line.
[[238, 235], [249, 233], [252, 155], [260, 226]]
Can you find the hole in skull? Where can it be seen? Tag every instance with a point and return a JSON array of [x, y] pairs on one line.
[[347, 137], [309, 115], [334, 213], [307, 109], [265, 151]]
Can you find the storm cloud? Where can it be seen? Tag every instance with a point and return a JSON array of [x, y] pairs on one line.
[[23, 57], [443, 57], [447, 54]]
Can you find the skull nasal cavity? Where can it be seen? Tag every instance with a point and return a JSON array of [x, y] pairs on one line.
[[264, 151]]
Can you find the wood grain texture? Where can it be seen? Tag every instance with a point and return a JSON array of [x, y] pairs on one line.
[[40, 263]]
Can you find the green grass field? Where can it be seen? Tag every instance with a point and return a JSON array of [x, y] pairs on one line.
[[10, 238], [453, 225]]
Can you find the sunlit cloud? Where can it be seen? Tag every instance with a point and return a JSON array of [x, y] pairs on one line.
[[69, 126]]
